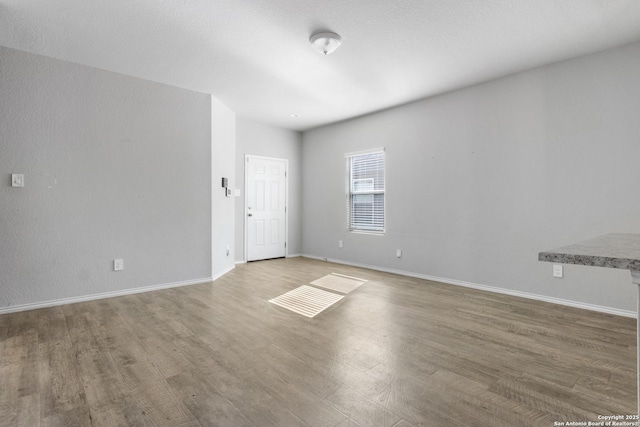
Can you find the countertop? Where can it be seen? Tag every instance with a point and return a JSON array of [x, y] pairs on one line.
[[618, 250]]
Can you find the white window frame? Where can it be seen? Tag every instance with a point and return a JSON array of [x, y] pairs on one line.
[[351, 191]]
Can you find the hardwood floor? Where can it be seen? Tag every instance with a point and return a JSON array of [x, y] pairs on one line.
[[395, 352]]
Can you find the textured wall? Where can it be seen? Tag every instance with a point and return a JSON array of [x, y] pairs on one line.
[[115, 167], [482, 179], [262, 140]]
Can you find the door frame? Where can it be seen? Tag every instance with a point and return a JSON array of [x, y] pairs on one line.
[[246, 202]]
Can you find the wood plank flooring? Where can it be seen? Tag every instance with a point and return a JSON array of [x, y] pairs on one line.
[[397, 352]]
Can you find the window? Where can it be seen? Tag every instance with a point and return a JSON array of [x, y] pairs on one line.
[[365, 191]]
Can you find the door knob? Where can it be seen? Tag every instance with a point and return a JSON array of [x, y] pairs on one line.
[[249, 214]]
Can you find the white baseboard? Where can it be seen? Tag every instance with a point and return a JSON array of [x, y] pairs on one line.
[[288, 256], [92, 297], [223, 272], [569, 303]]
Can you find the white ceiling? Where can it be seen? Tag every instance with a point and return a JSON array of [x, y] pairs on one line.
[[254, 55]]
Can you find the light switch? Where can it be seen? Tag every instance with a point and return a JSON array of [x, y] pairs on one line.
[[17, 180]]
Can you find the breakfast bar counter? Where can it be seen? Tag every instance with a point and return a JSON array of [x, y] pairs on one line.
[[617, 250]]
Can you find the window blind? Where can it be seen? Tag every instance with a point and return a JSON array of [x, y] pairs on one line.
[[365, 191]]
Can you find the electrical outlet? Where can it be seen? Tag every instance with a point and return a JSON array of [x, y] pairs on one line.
[[399, 253], [17, 180], [118, 264], [557, 270], [340, 245]]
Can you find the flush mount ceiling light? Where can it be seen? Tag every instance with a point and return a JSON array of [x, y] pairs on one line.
[[325, 42]]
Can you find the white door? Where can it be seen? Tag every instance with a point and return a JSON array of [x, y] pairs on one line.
[[266, 188]]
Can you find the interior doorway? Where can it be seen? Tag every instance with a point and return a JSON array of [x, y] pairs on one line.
[[265, 207]]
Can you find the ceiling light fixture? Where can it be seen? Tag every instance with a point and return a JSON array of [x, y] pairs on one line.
[[325, 41]]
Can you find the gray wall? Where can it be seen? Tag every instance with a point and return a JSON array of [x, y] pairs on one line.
[[482, 179], [262, 140], [115, 167]]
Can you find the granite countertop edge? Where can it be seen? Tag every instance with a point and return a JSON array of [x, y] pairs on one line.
[[590, 260]]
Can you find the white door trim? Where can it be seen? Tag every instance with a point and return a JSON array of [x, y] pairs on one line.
[[246, 201]]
